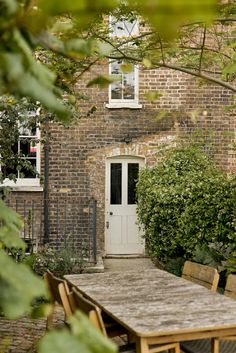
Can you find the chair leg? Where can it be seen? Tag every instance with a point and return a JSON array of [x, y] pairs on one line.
[[49, 321], [215, 345]]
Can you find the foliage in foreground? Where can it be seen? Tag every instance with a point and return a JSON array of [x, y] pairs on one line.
[[184, 202], [19, 285], [83, 338]]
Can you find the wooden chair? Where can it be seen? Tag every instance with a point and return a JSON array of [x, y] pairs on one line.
[[223, 345], [95, 316], [230, 287], [52, 284], [113, 329], [201, 274]]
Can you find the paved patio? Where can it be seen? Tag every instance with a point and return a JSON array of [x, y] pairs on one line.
[[126, 264]]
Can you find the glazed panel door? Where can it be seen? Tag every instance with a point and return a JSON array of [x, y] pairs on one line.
[[123, 235]]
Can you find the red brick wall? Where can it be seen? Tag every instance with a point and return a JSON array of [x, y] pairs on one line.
[[77, 153]]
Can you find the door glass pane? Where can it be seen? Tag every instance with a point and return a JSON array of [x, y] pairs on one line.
[[132, 180], [116, 184]]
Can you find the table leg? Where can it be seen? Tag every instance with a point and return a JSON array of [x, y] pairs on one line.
[[141, 345], [215, 345]]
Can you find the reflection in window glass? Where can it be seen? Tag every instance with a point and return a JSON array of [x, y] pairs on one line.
[[123, 87], [133, 169], [123, 28], [128, 85], [116, 184], [26, 151], [116, 87]]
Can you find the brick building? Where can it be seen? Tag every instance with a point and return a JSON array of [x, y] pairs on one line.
[[93, 164]]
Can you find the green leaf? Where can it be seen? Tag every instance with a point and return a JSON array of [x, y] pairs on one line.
[[153, 95], [175, 13], [75, 6], [11, 225], [79, 46], [84, 338], [103, 81], [9, 7], [31, 87], [81, 327], [147, 63], [19, 287], [161, 115], [104, 49], [126, 68], [230, 69], [26, 77]]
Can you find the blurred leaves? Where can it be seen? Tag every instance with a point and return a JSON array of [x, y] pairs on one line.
[[75, 29], [102, 80], [83, 338], [168, 16], [19, 287], [153, 95], [10, 227]]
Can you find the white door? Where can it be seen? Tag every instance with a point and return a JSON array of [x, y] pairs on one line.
[[123, 235]]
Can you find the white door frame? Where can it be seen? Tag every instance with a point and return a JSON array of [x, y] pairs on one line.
[[135, 243]]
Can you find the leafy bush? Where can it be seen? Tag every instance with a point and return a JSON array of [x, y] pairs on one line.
[[183, 202], [60, 262], [175, 266]]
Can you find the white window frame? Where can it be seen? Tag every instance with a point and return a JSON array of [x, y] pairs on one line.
[[28, 184], [125, 103]]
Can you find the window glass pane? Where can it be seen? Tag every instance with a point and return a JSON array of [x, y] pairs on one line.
[[116, 184], [10, 169], [25, 151], [116, 87], [123, 28], [30, 170], [28, 148], [123, 88], [116, 90], [133, 169], [27, 128], [128, 85]]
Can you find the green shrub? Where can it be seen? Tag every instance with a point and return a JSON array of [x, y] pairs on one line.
[[183, 202], [60, 262]]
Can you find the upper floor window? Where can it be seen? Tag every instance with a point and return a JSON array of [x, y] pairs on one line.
[[123, 92], [22, 166]]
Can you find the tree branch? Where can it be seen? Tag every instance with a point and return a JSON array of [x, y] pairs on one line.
[[202, 49], [199, 75]]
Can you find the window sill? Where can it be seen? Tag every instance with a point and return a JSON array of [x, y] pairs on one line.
[[124, 105], [23, 184], [27, 188]]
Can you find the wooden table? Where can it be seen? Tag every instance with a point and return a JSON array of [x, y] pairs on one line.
[[158, 307]]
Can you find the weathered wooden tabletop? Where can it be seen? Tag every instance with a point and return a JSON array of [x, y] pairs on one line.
[[155, 303]]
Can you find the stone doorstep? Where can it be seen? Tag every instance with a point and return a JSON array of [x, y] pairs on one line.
[[95, 268]]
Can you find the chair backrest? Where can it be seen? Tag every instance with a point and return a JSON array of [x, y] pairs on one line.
[[89, 309], [204, 275], [53, 283], [66, 299], [230, 287]]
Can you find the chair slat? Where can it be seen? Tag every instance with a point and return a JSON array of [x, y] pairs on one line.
[[53, 283], [230, 288], [201, 274]]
